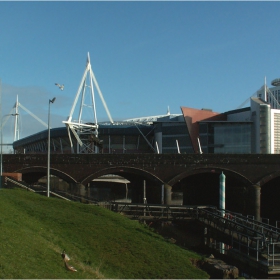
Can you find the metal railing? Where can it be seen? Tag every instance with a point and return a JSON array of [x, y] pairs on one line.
[[18, 184], [273, 254], [250, 237], [154, 211]]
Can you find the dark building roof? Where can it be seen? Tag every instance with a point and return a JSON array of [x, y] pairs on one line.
[[125, 129]]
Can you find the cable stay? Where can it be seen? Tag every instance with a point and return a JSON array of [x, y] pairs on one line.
[[271, 99], [15, 113], [86, 133], [31, 114], [151, 146], [246, 101], [265, 93], [7, 117]]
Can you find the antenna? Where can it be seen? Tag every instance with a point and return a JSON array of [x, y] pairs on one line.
[[265, 97]]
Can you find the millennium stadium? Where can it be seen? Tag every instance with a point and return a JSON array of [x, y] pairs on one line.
[[154, 134], [244, 130]]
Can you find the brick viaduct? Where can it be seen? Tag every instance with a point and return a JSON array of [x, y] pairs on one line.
[[250, 172]]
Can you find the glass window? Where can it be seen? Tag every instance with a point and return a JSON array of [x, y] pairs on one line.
[[232, 138], [202, 128]]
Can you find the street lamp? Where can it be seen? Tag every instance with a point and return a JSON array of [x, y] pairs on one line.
[[49, 140]]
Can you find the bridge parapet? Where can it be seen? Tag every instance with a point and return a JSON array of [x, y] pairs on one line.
[[254, 167]]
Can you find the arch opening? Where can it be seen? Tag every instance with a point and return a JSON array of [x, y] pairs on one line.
[[135, 186], [129, 188], [270, 194], [202, 187], [36, 178], [110, 187]]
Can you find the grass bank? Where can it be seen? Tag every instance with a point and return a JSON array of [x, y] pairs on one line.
[[35, 229]]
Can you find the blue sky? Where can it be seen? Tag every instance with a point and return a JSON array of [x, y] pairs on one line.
[[146, 56]]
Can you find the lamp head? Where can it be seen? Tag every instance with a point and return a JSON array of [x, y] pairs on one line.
[[52, 101]]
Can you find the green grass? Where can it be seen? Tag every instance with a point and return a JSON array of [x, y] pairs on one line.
[[35, 229]]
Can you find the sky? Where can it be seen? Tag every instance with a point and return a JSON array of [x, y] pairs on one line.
[[146, 56]]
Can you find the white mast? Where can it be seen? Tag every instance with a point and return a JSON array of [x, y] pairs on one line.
[[16, 130], [15, 112], [86, 134]]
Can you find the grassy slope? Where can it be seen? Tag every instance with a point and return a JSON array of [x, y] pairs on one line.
[[35, 229]]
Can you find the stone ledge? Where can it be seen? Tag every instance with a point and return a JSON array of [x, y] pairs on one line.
[[219, 269]]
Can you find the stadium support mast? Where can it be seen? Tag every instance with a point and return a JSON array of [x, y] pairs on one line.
[[86, 134], [15, 113]]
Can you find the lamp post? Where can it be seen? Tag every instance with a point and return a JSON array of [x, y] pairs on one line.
[[49, 140]]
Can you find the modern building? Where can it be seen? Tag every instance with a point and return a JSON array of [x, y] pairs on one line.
[[254, 129], [158, 134]]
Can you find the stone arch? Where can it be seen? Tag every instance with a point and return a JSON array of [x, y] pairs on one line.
[[42, 171], [120, 170], [136, 176], [268, 178], [200, 186], [217, 170], [269, 198]]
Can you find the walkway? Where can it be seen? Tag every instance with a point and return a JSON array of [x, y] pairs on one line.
[[255, 243]]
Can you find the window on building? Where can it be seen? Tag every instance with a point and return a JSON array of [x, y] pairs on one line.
[[227, 138]]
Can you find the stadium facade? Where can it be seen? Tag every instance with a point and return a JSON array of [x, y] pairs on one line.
[[254, 129]]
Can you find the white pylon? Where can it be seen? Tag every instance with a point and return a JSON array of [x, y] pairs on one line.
[[86, 134], [15, 113]]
